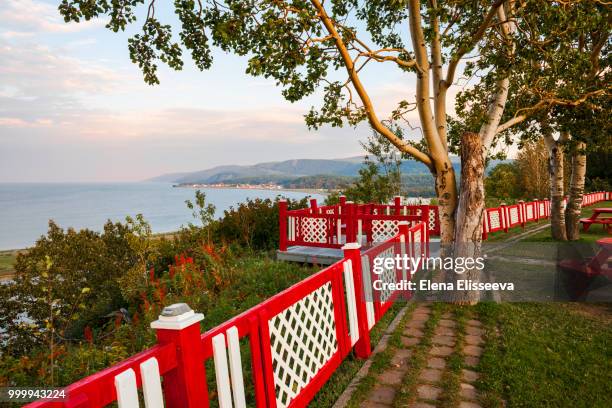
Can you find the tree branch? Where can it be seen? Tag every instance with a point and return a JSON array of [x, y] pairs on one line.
[[476, 36], [363, 95], [434, 142]]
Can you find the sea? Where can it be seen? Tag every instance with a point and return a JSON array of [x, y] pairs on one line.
[[26, 208]]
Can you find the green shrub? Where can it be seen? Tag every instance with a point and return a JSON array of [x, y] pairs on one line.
[[65, 282], [254, 223]]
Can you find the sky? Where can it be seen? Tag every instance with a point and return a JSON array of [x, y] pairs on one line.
[[73, 108]]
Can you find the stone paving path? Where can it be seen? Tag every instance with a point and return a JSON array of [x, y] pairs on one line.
[[407, 383]]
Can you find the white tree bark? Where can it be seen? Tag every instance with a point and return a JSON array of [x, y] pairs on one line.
[[555, 171], [576, 190], [468, 230]]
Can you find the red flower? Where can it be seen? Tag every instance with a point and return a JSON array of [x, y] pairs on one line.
[[88, 334]]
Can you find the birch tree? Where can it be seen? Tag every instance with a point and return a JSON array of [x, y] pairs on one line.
[[561, 93]]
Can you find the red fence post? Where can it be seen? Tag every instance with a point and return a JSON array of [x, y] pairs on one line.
[[313, 205], [485, 233], [363, 348], [522, 213], [505, 220], [398, 205], [185, 385], [425, 215], [403, 228], [282, 224], [351, 222]]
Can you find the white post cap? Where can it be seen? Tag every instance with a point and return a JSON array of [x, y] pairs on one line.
[[177, 317], [351, 245]]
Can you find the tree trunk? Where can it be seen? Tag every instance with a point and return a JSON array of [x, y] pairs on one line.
[[468, 228], [446, 190], [576, 190], [555, 170]]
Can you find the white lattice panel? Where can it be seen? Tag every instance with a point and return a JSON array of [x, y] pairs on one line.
[[494, 221], [418, 244], [302, 340], [314, 230], [382, 230], [542, 209], [514, 215], [529, 209], [431, 224], [367, 288], [388, 275]]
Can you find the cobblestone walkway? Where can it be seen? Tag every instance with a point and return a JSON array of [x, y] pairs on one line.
[[434, 364]]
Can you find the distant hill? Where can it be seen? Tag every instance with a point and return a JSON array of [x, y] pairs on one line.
[[291, 171], [348, 167]]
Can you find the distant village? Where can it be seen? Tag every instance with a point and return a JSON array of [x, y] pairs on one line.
[[245, 186]]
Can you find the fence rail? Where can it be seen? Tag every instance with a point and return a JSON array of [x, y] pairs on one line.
[[332, 226], [296, 340]]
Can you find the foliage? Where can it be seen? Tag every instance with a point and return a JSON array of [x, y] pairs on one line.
[[222, 290], [254, 223], [370, 187], [599, 171], [503, 181], [525, 178], [532, 164], [332, 198], [203, 212], [327, 182], [145, 251], [380, 177], [66, 281]]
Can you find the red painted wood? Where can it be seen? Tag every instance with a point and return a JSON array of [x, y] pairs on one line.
[[363, 348], [185, 385], [282, 224], [98, 389]]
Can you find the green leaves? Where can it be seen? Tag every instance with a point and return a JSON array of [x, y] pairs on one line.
[[154, 44], [193, 34]]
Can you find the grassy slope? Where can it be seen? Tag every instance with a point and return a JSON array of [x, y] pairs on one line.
[[7, 260]]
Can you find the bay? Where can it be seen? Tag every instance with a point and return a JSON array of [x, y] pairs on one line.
[[25, 208]]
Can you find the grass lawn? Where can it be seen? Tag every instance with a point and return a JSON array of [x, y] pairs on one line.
[[546, 355], [512, 232]]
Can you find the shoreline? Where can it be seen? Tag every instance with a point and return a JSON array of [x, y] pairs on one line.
[[321, 191]]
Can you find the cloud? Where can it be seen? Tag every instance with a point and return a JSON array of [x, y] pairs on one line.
[[38, 83], [26, 17], [20, 123]]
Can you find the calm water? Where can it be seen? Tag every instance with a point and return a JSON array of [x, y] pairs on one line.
[[25, 209]]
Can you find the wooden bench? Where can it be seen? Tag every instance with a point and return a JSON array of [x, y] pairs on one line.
[[593, 219], [587, 222]]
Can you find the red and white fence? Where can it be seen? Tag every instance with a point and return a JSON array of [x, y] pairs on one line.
[[509, 216], [295, 340], [332, 226]]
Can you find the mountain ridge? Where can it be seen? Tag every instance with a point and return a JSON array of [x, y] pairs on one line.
[[294, 168]]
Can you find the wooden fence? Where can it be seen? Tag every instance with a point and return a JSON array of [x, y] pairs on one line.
[[293, 341], [334, 225]]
